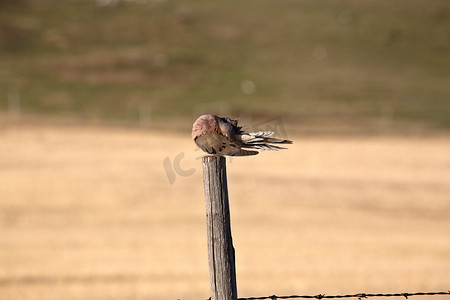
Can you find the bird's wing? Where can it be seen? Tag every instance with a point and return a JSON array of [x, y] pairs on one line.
[[218, 144]]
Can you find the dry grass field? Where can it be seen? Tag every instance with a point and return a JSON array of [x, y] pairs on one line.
[[89, 213]]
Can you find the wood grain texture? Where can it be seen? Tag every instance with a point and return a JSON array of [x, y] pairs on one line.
[[220, 245]]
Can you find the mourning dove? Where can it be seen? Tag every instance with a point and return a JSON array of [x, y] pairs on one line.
[[222, 136]]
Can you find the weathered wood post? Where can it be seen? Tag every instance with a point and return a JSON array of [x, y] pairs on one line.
[[222, 270]]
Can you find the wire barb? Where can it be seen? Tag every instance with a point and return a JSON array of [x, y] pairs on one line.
[[362, 295]]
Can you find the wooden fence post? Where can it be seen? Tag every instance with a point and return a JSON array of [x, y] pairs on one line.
[[222, 270]]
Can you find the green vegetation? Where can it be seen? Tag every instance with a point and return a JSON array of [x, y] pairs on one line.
[[313, 61]]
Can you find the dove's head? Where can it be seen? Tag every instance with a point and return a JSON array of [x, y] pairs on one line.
[[205, 123]]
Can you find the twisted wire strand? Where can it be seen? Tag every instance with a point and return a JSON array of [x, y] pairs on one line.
[[359, 296]]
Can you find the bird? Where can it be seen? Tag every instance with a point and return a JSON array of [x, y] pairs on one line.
[[219, 136]]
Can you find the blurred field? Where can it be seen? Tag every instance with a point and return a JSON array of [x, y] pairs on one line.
[[92, 212], [318, 63], [88, 213]]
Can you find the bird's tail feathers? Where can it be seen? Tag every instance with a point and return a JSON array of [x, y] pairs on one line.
[[243, 152], [262, 140], [261, 133], [266, 147], [259, 136], [277, 141]]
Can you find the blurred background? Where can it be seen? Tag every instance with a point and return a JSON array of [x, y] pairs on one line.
[[100, 186], [351, 64]]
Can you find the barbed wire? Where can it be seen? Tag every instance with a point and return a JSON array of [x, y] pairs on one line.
[[359, 296]]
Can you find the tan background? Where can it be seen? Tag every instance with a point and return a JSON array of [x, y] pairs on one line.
[[88, 213]]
